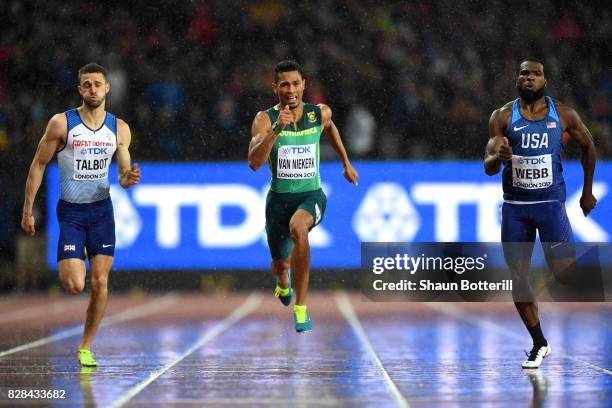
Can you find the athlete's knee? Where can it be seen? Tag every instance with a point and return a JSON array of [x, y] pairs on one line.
[[72, 275], [74, 286], [298, 230], [99, 282], [564, 272], [280, 267], [563, 268], [100, 268]]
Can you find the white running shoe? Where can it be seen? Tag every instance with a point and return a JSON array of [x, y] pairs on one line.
[[535, 357]]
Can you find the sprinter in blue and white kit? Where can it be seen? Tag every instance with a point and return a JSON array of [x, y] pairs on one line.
[[85, 140], [525, 135]]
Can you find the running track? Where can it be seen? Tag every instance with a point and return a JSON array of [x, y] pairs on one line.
[[240, 350]]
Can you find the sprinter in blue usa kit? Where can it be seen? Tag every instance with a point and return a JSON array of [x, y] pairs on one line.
[[526, 137]]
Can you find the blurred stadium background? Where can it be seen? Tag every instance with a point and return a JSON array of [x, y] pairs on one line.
[[411, 84]]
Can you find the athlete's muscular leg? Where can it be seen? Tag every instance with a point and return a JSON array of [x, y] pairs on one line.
[[100, 268], [300, 222], [528, 312], [72, 275], [524, 298], [522, 292], [518, 237], [280, 267]]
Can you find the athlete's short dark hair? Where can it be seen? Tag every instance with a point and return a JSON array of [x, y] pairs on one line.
[[92, 68], [287, 66], [532, 59]]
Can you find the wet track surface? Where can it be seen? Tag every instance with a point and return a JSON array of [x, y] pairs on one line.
[[241, 350]]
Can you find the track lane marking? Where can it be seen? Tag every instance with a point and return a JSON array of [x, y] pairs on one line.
[[135, 312], [344, 304], [459, 313], [247, 307]]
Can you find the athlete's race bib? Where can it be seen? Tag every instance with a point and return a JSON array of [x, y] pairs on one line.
[[297, 162], [532, 172], [92, 159]]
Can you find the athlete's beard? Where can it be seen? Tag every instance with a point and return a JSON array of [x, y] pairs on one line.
[[93, 105], [530, 96]]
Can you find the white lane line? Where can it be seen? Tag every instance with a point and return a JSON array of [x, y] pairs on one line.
[[130, 314], [37, 311], [344, 304], [247, 307], [461, 314], [277, 402]]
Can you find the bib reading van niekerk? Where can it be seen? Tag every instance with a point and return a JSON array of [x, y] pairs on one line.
[[294, 159]]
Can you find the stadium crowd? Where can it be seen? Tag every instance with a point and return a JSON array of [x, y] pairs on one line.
[[405, 80]]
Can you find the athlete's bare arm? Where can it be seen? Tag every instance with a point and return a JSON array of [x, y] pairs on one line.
[[579, 132], [263, 136], [498, 150], [333, 136], [128, 174], [53, 139], [262, 140]]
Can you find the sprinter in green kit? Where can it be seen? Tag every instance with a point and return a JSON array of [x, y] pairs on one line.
[[287, 137]]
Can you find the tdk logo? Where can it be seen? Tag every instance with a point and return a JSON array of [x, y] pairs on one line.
[[387, 212], [94, 150], [296, 149], [532, 160]]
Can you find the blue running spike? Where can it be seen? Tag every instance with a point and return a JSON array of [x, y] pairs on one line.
[[278, 292], [302, 319]]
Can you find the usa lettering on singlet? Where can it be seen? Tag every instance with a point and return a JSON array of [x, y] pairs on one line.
[[535, 172], [85, 160]]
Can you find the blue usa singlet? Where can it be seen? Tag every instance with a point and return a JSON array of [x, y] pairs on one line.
[[535, 172]]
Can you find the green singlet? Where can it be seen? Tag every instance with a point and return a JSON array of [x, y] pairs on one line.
[[294, 159], [296, 183]]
